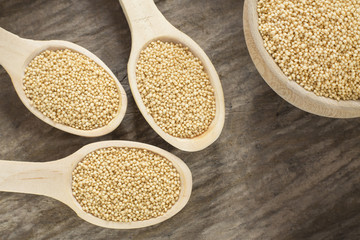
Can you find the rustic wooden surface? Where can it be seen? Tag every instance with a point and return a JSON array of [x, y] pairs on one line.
[[276, 172]]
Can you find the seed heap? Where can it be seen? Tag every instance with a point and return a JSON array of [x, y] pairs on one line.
[[71, 89], [315, 43], [175, 89], [125, 184]]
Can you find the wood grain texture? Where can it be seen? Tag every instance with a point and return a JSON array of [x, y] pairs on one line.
[[276, 172]]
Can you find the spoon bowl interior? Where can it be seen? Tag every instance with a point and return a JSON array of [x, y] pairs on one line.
[[214, 130]]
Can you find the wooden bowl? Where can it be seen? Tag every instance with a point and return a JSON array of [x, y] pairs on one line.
[[276, 79]]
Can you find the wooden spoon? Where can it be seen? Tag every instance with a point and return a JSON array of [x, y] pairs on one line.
[[16, 53], [147, 24], [277, 80], [54, 179]]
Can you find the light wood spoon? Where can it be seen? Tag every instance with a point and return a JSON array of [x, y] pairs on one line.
[[16, 53], [147, 24], [54, 179], [277, 80]]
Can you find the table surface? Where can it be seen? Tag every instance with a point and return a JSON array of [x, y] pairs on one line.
[[276, 172]]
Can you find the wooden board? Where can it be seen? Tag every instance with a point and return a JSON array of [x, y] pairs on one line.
[[276, 172]]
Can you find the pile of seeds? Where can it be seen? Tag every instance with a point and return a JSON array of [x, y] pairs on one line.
[[71, 89], [175, 89], [315, 43], [125, 184]]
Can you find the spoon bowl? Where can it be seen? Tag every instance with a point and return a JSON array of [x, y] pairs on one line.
[[147, 24], [54, 179], [15, 55], [279, 82]]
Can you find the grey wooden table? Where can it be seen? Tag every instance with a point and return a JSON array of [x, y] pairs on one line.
[[276, 172]]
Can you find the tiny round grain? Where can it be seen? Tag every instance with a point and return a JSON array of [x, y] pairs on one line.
[[175, 89], [315, 43], [71, 89], [123, 184]]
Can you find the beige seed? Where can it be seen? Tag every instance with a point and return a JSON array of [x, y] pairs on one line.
[[315, 43], [175, 89], [125, 184], [71, 89]]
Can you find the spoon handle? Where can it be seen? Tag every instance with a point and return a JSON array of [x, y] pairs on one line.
[[145, 20], [14, 51], [34, 178]]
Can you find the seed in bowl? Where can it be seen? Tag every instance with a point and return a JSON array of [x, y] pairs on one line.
[[175, 89], [315, 43], [71, 89], [123, 184]]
